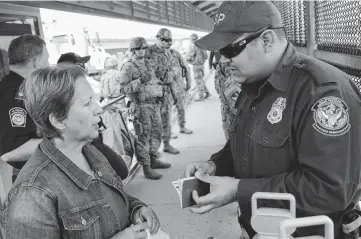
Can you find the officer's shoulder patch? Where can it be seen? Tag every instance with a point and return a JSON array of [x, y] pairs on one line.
[[17, 117], [331, 116]]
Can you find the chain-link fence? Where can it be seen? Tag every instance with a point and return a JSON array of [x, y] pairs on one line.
[[338, 26], [355, 74], [293, 15]]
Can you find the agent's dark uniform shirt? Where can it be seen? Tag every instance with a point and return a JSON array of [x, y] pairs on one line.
[[16, 126], [297, 132]]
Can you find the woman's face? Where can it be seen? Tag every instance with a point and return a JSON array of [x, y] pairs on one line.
[[83, 117]]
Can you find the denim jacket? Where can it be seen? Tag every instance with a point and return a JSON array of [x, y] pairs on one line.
[[53, 198]]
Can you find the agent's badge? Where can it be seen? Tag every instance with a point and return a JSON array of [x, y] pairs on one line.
[[275, 114], [17, 117], [331, 116]]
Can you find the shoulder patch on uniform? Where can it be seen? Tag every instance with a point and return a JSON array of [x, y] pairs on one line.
[[331, 116], [17, 117]]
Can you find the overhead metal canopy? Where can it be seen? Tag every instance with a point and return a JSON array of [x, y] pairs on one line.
[[210, 8], [197, 15]]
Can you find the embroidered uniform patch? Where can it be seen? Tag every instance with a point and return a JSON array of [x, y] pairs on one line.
[[17, 117], [331, 116], [275, 114]]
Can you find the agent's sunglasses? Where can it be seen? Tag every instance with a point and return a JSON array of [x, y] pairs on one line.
[[234, 49], [165, 39], [140, 48]]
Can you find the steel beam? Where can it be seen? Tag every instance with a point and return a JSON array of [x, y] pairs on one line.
[[127, 10]]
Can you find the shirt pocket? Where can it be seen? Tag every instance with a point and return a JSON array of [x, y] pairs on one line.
[[84, 224], [270, 150]]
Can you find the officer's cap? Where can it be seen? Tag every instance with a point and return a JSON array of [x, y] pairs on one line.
[[237, 17]]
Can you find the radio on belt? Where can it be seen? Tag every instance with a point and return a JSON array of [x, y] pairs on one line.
[[307, 222], [266, 221], [278, 223]]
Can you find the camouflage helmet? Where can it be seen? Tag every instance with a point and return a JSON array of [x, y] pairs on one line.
[[137, 42], [194, 37], [164, 32]]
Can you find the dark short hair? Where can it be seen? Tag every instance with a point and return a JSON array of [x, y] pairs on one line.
[[25, 48], [50, 90]]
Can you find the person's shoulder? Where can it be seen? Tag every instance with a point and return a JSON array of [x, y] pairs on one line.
[[320, 83], [321, 73], [37, 174], [128, 65], [152, 48]]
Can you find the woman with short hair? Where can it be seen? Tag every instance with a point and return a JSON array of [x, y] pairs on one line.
[[68, 189]]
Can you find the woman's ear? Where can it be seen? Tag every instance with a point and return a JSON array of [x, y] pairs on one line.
[[59, 125]]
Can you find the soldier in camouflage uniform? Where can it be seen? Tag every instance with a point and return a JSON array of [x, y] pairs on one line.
[[161, 58], [145, 91], [228, 92], [197, 57], [180, 70]]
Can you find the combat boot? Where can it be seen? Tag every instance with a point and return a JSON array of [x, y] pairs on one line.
[[156, 163], [184, 130], [151, 174], [169, 148]]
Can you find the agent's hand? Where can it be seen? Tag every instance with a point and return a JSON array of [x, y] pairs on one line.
[[223, 190], [133, 232], [147, 214], [207, 167]]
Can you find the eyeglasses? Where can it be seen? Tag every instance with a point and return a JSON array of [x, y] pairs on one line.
[[165, 39], [140, 48], [236, 48]]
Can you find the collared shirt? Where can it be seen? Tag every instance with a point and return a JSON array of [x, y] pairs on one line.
[[297, 132], [62, 201], [16, 126]]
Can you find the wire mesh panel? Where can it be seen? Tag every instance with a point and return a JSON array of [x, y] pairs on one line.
[[338, 26], [355, 74], [293, 15]]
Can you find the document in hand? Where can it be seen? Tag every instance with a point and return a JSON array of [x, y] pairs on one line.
[[160, 235], [185, 186]]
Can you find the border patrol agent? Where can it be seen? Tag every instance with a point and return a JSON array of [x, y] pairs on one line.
[[161, 59], [18, 138], [180, 70], [145, 90], [297, 128], [197, 57]]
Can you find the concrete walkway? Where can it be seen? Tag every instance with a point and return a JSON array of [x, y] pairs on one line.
[[205, 120]]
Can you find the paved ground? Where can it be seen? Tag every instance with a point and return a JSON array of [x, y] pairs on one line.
[[205, 119]]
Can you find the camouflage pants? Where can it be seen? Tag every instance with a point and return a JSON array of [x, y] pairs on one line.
[[165, 113], [227, 118], [180, 99], [148, 141], [198, 73]]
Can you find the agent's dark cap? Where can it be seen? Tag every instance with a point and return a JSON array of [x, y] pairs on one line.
[[73, 58], [237, 17]]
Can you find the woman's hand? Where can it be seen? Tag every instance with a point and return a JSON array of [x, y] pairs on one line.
[[147, 214], [133, 232]]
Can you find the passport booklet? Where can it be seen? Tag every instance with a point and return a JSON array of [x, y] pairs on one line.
[[184, 188]]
